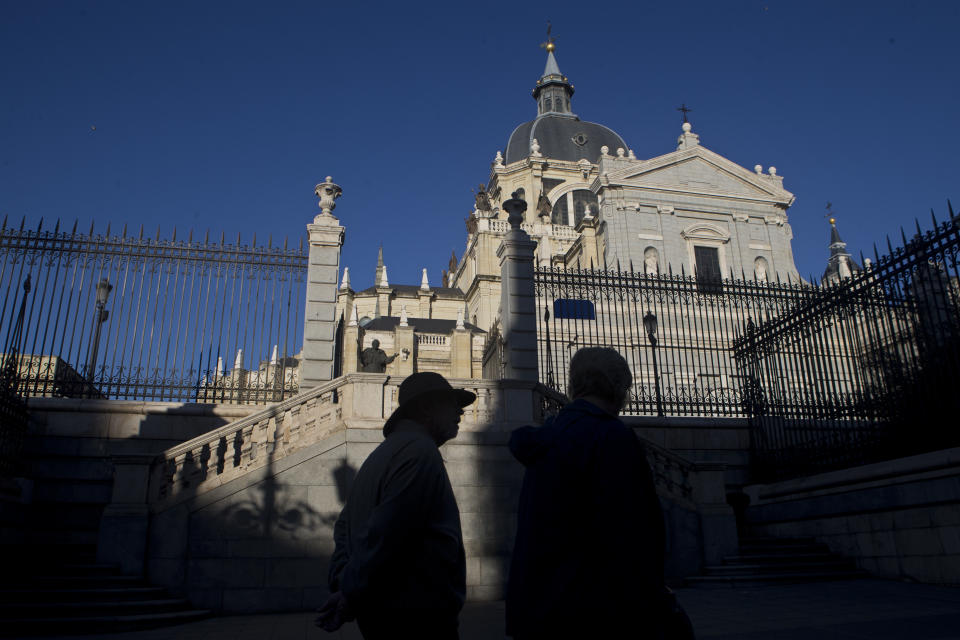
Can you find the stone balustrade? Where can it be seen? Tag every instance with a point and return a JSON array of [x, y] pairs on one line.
[[243, 446], [560, 231], [229, 452], [672, 475], [432, 340]]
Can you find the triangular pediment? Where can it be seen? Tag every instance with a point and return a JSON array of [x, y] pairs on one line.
[[700, 170]]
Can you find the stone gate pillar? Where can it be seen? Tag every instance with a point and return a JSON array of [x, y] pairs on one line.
[[518, 319], [320, 321]]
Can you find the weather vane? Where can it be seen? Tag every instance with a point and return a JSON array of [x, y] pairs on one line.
[[830, 215], [548, 45], [683, 107]]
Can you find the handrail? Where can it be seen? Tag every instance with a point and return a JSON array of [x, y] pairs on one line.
[[267, 412], [228, 452]]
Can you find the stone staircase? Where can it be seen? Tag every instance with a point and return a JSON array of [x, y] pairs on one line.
[[768, 561], [71, 594]]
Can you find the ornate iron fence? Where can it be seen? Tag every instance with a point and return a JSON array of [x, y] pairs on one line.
[[144, 318], [13, 410], [685, 368], [863, 370]]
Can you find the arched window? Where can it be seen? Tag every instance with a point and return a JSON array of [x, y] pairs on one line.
[[580, 202], [584, 200], [549, 104], [559, 214]]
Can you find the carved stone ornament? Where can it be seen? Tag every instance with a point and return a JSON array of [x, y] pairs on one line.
[[498, 161], [515, 208], [544, 208], [328, 192], [482, 199], [535, 149]]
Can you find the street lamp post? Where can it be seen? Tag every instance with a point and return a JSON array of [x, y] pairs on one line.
[[100, 316], [650, 325]]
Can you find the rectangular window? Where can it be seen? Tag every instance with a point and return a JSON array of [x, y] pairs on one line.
[[707, 264], [573, 309]]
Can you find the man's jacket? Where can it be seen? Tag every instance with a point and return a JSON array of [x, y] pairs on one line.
[[590, 535], [399, 547]]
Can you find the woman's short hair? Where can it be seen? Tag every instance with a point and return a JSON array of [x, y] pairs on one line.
[[601, 372]]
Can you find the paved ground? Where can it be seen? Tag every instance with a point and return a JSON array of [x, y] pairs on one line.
[[874, 609]]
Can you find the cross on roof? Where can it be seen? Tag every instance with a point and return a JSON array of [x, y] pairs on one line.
[[548, 45], [830, 214], [683, 107]]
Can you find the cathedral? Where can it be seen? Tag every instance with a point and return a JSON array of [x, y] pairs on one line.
[[592, 203]]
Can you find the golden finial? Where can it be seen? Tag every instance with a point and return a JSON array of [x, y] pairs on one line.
[[549, 44], [833, 221]]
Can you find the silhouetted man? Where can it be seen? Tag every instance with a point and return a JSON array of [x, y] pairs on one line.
[[399, 564], [589, 553], [374, 359]]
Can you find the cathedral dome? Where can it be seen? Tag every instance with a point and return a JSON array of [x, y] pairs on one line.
[[562, 137], [559, 132]]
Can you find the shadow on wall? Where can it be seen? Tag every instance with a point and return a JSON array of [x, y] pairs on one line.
[[486, 480], [261, 542]]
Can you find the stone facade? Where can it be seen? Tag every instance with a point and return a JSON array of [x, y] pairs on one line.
[[608, 208]]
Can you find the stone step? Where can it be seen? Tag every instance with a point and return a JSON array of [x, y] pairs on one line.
[[87, 569], [763, 579], [834, 564], [79, 595], [77, 581], [770, 540], [40, 626], [777, 557], [56, 608], [818, 547]]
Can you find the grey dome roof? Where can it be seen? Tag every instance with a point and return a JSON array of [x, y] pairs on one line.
[[559, 138]]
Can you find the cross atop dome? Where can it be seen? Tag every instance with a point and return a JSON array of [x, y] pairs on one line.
[[553, 90], [549, 45]]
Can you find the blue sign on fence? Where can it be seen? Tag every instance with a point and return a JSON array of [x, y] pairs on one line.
[[573, 309]]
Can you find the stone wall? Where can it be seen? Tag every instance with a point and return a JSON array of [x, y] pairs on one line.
[[898, 519], [713, 440], [261, 540], [69, 450]]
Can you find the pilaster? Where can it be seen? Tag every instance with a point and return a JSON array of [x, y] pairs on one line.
[[351, 349], [588, 241], [426, 308], [460, 354], [404, 345]]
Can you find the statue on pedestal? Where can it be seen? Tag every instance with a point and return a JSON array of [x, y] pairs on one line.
[[373, 359]]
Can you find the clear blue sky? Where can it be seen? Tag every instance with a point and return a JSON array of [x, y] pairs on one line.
[[224, 115]]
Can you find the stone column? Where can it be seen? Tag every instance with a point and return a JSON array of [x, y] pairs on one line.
[[319, 328], [122, 538], [517, 300]]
